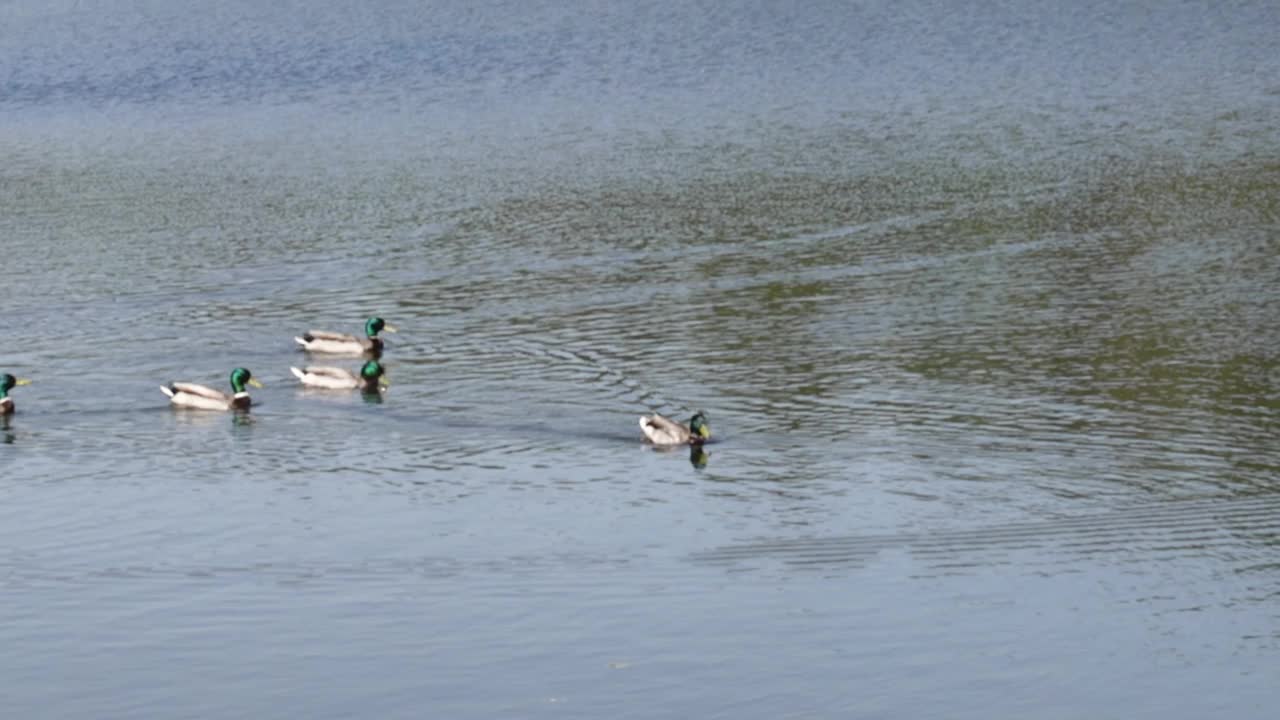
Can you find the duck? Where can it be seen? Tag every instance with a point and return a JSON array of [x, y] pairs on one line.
[[660, 430], [320, 341], [371, 377], [7, 383], [200, 397]]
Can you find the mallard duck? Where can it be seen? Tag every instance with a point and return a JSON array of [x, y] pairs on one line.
[[206, 398], [7, 383], [665, 431], [369, 379], [319, 341]]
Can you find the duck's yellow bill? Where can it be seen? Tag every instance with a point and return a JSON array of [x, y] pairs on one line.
[[388, 327], [254, 382], [23, 381], [705, 432]]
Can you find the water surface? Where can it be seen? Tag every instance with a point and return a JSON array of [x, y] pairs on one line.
[[981, 307]]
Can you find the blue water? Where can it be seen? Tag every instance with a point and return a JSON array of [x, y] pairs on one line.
[[979, 302]]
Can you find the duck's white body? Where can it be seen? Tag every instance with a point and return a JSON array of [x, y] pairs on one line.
[[6, 405], [329, 378], [319, 341], [664, 431], [200, 397]]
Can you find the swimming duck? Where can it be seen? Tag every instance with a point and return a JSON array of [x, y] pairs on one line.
[[665, 431], [369, 379], [7, 383], [206, 398], [319, 341]]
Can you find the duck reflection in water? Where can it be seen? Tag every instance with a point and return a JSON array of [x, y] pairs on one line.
[[242, 420], [698, 456]]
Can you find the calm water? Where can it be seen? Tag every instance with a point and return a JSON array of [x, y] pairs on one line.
[[982, 307]]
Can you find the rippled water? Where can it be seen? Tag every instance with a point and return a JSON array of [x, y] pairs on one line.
[[981, 306]]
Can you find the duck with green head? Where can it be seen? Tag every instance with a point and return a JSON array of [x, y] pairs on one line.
[[371, 378], [665, 431], [7, 383], [201, 397], [321, 341]]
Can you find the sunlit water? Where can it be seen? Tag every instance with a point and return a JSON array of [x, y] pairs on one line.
[[981, 305]]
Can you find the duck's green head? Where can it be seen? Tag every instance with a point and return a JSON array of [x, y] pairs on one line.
[[698, 425], [373, 372], [239, 377], [375, 325], [9, 382]]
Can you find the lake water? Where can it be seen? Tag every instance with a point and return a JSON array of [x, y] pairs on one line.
[[982, 306]]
